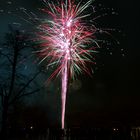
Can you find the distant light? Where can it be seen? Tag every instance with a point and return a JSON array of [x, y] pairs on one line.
[[9, 2], [31, 127], [115, 129]]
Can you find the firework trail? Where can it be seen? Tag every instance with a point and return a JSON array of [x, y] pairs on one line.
[[67, 41]]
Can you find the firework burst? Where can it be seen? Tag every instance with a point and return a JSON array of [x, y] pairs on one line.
[[67, 41]]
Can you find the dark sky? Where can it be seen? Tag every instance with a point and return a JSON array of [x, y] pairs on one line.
[[113, 91]]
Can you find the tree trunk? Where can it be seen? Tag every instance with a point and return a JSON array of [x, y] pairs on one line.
[[4, 119], [6, 98], [13, 71]]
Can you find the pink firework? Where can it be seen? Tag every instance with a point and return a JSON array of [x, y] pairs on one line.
[[67, 41]]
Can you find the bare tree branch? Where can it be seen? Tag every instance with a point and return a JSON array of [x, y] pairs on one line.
[[7, 57], [24, 94], [28, 83], [13, 72]]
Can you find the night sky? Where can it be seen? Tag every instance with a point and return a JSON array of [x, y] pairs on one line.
[[112, 94]]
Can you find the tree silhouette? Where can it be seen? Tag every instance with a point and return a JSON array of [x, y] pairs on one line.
[[15, 83]]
